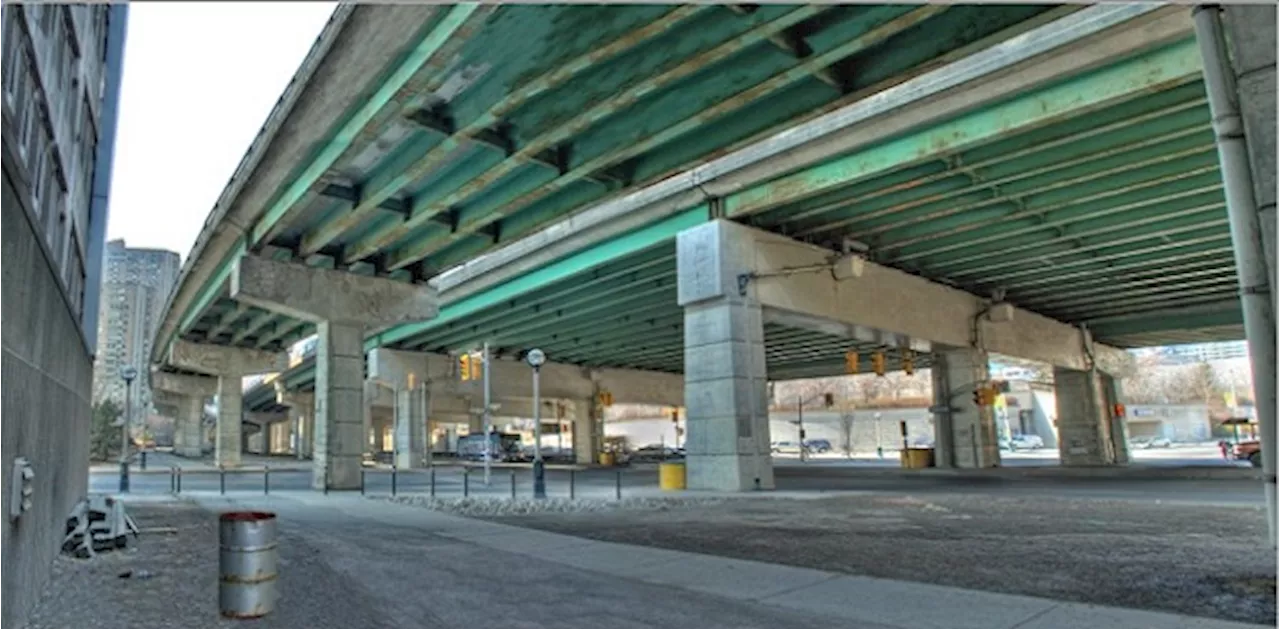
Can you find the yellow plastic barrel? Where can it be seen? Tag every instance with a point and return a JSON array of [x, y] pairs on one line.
[[917, 458], [671, 476], [606, 459]]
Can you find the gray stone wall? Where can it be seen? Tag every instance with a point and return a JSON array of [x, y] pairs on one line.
[[46, 378]]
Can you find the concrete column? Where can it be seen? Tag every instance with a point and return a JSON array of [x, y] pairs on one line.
[[340, 409], [412, 447], [966, 435], [230, 365], [343, 305], [1085, 422], [726, 388], [301, 409], [1251, 31], [189, 428], [227, 443], [186, 395], [588, 418], [1114, 392]]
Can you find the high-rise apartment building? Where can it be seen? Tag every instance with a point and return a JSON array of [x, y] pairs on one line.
[[134, 289], [61, 73]]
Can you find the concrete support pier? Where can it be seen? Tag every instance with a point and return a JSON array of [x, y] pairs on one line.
[[965, 433], [186, 394], [188, 427], [588, 429], [343, 306], [230, 365], [412, 407], [1086, 425], [726, 389], [301, 419]]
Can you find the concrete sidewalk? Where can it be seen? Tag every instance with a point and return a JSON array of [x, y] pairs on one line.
[[859, 601]]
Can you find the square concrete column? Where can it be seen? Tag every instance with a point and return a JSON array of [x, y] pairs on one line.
[[230, 365], [301, 409], [412, 449], [726, 388], [189, 427], [340, 408], [227, 444], [343, 305], [965, 433], [588, 419], [186, 395], [1087, 429]]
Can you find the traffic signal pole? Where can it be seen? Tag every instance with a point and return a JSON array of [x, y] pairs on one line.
[[487, 423]]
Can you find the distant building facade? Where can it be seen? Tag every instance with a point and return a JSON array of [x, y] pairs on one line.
[[1196, 352], [61, 81], [135, 286]]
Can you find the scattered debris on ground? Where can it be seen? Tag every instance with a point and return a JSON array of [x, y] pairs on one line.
[[97, 524], [498, 506], [1188, 559]]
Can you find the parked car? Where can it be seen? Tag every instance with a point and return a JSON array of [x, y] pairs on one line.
[[817, 446], [786, 447], [654, 453], [1025, 442], [1250, 451], [1147, 444]]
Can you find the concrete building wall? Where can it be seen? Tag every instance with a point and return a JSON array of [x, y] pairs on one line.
[[817, 424], [58, 125], [1175, 422]]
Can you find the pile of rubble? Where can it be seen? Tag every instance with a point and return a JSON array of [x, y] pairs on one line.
[[97, 524]]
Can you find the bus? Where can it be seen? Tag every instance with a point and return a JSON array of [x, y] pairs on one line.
[[503, 447]]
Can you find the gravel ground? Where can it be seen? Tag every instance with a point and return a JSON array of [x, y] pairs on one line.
[[1195, 560], [183, 588]]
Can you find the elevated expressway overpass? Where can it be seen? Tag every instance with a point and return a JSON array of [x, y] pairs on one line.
[[678, 204]]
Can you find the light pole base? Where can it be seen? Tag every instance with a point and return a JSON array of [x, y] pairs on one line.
[[539, 480], [124, 477]]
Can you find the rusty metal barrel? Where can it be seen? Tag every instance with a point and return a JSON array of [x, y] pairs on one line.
[[247, 564]]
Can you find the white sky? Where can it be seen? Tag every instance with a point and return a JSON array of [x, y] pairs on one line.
[[199, 81]]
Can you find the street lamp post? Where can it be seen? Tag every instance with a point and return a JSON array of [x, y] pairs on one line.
[[128, 373], [535, 358]]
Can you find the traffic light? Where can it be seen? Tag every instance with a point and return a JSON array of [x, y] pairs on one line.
[[877, 363], [605, 398], [464, 367], [908, 362], [851, 362], [984, 395]]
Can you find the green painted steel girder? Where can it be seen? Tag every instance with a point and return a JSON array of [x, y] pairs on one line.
[[600, 286], [1161, 69], [582, 261], [1199, 263], [427, 208], [1084, 239], [1153, 254], [1016, 166], [505, 206], [393, 181], [310, 181], [542, 325]]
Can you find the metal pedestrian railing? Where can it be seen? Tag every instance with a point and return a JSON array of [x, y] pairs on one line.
[[437, 481]]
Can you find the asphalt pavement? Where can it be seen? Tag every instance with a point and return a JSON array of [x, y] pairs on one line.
[[351, 562]]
